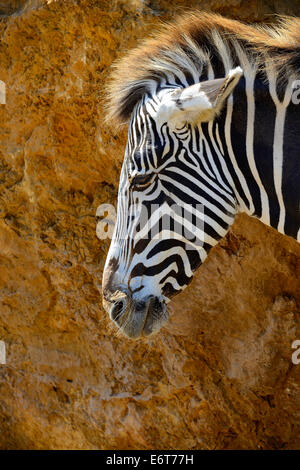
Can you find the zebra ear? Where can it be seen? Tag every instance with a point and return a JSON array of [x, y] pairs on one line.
[[203, 101]]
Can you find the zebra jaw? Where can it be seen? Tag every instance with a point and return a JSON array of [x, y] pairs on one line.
[[198, 103]]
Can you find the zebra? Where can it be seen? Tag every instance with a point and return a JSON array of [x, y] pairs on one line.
[[213, 121]]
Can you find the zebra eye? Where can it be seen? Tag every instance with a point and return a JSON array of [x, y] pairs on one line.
[[140, 181]]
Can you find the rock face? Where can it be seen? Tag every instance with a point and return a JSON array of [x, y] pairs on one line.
[[220, 374]]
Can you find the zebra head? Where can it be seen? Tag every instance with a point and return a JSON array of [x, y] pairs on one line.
[[172, 204]]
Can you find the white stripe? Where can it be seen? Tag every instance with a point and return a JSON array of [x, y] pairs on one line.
[[237, 170], [198, 197], [265, 210], [250, 71], [281, 107], [212, 160]]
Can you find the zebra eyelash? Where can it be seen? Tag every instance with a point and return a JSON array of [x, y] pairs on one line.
[[141, 181]]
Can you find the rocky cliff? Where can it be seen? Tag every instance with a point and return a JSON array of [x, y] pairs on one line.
[[220, 374]]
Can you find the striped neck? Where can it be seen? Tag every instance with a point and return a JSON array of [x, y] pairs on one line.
[[257, 138]]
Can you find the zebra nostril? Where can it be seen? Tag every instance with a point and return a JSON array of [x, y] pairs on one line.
[[154, 304], [117, 309]]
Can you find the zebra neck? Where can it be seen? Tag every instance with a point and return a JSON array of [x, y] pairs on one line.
[[260, 145]]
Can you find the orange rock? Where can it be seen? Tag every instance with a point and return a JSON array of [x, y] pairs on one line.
[[220, 374]]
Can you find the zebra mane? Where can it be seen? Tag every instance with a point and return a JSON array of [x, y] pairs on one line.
[[182, 50]]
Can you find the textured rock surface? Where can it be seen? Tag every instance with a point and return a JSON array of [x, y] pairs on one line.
[[220, 374]]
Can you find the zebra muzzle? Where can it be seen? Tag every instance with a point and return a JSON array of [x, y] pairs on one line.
[[137, 317]]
